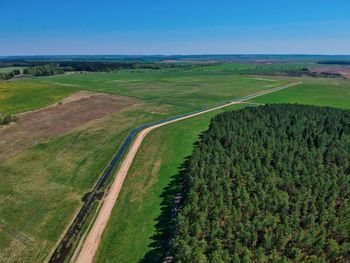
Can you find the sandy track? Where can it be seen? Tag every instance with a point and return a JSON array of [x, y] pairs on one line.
[[90, 245]]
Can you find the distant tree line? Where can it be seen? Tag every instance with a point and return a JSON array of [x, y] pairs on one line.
[[112, 66], [268, 184], [44, 70], [292, 72], [9, 75], [48, 68], [335, 62]]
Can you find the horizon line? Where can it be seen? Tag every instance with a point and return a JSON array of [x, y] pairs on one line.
[[184, 54]]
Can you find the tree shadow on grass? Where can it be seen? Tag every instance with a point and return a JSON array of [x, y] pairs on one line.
[[165, 226]]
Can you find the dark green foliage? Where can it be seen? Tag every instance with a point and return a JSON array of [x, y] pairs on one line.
[[9, 75], [59, 67], [6, 75], [268, 184], [8, 119], [92, 66], [16, 72], [335, 62], [44, 70]]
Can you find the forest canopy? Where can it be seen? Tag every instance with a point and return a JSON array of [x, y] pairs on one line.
[[268, 184]]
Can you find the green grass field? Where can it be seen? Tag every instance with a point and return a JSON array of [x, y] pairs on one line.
[[194, 90], [21, 96], [313, 91], [134, 219], [190, 89]]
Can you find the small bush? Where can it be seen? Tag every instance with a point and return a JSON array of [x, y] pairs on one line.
[[8, 119]]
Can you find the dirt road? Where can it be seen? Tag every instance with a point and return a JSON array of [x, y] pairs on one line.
[[90, 245]]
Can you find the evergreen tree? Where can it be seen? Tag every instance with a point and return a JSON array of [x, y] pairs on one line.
[[268, 184]]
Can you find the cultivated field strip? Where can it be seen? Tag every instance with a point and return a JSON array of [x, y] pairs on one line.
[[90, 245]]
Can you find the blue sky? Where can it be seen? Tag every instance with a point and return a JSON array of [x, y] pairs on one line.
[[32, 27]]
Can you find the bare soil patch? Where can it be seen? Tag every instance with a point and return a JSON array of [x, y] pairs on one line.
[[37, 126], [82, 94]]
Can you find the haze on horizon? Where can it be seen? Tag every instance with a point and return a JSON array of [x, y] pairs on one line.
[[166, 27]]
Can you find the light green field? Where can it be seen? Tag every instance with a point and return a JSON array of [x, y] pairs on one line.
[[21, 96], [136, 214], [314, 91]]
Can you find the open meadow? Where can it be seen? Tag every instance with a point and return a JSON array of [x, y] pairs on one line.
[[194, 90]]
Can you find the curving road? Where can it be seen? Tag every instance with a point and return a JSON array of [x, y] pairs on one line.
[[90, 245]]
